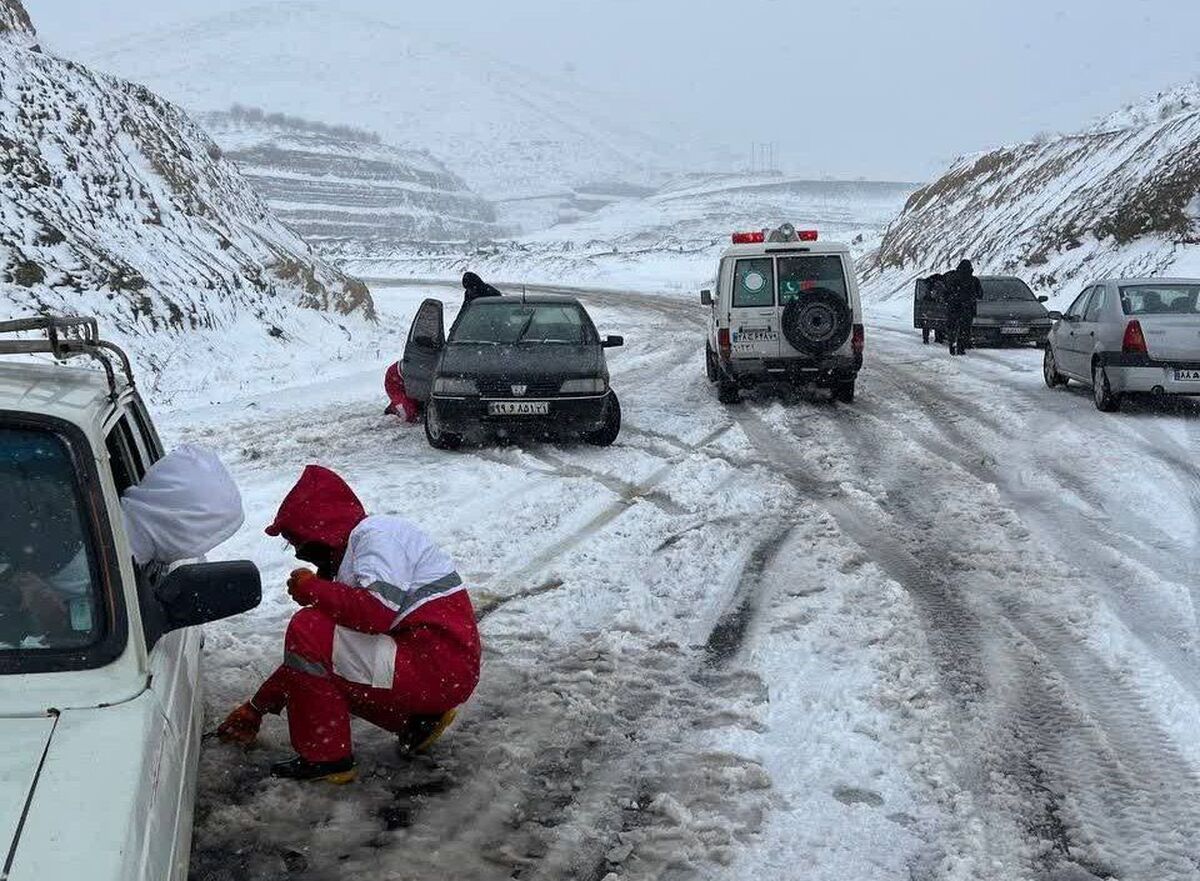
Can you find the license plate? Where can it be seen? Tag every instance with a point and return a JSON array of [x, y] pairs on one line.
[[1014, 329], [519, 408], [756, 336], [1187, 375]]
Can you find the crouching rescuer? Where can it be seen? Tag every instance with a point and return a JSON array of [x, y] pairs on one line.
[[387, 634]]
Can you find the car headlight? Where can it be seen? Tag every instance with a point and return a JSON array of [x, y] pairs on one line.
[[595, 386], [446, 386]]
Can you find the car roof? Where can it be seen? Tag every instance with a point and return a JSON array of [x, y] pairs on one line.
[[1120, 281], [770, 249], [537, 299], [76, 394]]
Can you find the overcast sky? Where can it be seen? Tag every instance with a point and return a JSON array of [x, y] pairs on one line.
[[881, 88]]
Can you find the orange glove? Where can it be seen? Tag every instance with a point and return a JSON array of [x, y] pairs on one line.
[[241, 727], [300, 588]]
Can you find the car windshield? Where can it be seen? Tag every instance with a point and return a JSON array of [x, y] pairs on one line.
[[1161, 299], [799, 275], [510, 323], [48, 592], [1006, 289]]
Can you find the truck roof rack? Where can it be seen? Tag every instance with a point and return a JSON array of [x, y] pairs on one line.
[[67, 336]]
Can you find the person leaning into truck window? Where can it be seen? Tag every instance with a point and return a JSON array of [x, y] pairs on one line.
[[963, 292], [475, 287]]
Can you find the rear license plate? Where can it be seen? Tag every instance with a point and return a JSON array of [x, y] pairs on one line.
[[756, 336], [519, 408], [1014, 329], [1187, 375]]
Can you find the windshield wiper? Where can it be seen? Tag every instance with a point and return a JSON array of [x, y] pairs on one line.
[[524, 329]]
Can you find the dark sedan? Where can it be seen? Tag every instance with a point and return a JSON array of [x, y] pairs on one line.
[[1008, 312], [511, 365]]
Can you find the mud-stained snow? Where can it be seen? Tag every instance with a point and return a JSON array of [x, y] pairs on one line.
[[948, 632]]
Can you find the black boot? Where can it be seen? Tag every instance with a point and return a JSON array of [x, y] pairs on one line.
[[422, 732], [339, 772]]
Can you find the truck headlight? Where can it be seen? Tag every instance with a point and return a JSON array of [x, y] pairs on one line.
[[446, 386], [596, 386]]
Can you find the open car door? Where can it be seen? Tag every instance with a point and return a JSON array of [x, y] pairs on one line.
[[426, 339]]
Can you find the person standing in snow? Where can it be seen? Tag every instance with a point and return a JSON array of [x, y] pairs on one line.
[[963, 293], [475, 287], [387, 634]]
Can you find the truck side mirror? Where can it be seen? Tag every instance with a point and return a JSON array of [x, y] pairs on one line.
[[706, 298], [612, 342], [202, 592], [1043, 299]]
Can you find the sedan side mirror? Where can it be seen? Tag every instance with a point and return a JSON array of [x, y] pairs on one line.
[[1056, 316], [1043, 299], [612, 342], [204, 592], [706, 298]]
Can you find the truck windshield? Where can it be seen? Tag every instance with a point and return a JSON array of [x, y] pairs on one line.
[[509, 323], [1161, 299], [49, 595], [798, 275], [1005, 289]]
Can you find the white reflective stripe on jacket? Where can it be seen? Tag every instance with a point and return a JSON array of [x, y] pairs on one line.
[[404, 569]]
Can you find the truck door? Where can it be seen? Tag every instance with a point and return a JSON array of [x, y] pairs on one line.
[[753, 316], [426, 339]]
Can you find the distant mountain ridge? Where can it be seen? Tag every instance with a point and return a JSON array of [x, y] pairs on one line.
[[507, 132], [336, 184], [1122, 198]]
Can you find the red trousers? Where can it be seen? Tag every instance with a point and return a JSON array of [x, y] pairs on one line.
[[393, 384], [429, 681]]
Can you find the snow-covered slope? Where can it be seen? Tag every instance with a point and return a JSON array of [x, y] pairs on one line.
[[1120, 198], [334, 185], [506, 131], [113, 203]]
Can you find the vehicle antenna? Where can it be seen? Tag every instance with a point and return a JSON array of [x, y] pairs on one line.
[[524, 290]]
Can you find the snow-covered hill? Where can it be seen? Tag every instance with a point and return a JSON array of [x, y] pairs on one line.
[[113, 203], [506, 131], [338, 184], [1120, 198]]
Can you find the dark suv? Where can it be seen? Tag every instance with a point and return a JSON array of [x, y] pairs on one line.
[[511, 365]]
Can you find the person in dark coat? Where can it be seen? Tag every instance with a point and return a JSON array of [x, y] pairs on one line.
[[963, 293], [475, 287]]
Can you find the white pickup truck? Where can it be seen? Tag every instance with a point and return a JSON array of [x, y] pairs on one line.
[[100, 706]]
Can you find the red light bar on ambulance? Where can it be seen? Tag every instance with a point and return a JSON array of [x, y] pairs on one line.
[[807, 235], [749, 238]]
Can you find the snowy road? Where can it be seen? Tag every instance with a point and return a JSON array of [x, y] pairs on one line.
[[948, 632]]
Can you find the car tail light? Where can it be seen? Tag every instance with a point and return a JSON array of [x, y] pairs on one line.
[[859, 340], [749, 238], [807, 235], [1135, 341], [724, 344]]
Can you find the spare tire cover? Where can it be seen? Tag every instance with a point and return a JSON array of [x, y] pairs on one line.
[[818, 322]]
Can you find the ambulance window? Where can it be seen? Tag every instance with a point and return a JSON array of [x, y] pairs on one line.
[[754, 283], [799, 275]]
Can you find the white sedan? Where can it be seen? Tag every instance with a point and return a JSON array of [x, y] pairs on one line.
[[1128, 335]]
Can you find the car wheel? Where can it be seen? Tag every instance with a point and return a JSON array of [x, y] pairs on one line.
[[843, 392], [1050, 370], [727, 392], [607, 436], [438, 437], [1106, 400], [710, 364]]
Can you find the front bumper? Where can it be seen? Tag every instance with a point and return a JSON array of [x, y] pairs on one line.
[[574, 415]]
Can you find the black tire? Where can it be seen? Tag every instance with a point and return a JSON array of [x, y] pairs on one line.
[[1050, 370], [1105, 399], [939, 336], [817, 323], [843, 392], [710, 364], [728, 392], [607, 436], [439, 438]]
